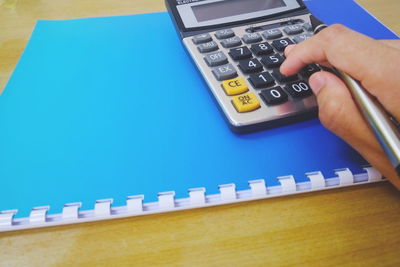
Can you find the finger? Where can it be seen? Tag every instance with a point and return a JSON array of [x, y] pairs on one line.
[[392, 43], [339, 113], [371, 62], [288, 49], [342, 47]]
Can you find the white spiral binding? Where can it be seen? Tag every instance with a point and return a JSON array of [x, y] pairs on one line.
[[38, 215], [227, 192], [71, 211], [345, 177], [6, 217], [166, 200], [103, 208], [258, 188], [288, 184], [134, 204], [317, 180], [197, 196], [373, 174]]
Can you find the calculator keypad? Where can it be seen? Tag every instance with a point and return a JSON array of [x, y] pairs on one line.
[[261, 80], [235, 86], [252, 38], [208, 47], [272, 61], [225, 72], [245, 76], [246, 102], [293, 29], [231, 42], [274, 96], [225, 33], [262, 49], [250, 65], [202, 38], [240, 53], [272, 34], [216, 59], [281, 44]]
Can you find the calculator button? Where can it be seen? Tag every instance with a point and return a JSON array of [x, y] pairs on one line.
[[235, 86], [223, 34], [261, 80], [225, 72], [262, 49], [251, 38], [309, 70], [274, 96], [231, 42], [240, 53], [308, 27], [329, 70], [302, 37], [293, 29], [208, 47], [272, 34], [281, 44], [216, 59], [298, 89], [272, 61], [202, 38], [250, 65], [282, 78], [246, 102]]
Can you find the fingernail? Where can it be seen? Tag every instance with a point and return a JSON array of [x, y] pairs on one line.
[[317, 81], [289, 48]]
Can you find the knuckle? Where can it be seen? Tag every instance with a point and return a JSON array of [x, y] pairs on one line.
[[333, 33]]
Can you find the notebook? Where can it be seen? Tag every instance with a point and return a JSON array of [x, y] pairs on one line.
[[108, 117]]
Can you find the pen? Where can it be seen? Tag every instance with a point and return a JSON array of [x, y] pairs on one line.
[[377, 117]]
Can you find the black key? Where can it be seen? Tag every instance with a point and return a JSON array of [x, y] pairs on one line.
[[282, 78], [329, 70], [309, 70], [274, 96], [261, 80], [281, 44], [250, 65], [240, 53], [272, 61], [298, 89], [262, 49]]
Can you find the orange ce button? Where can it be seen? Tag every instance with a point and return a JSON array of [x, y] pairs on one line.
[[235, 86]]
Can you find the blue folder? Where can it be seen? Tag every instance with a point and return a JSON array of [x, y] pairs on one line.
[[111, 107]]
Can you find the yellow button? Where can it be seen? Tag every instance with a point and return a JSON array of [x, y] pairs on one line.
[[235, 86], [245, 103]]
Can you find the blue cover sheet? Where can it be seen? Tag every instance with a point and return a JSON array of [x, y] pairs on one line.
[[111, 107]]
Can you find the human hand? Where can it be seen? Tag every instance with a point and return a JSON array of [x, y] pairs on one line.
[[374, 63]]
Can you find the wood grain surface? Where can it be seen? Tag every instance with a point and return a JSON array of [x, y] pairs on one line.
[[357, 226]]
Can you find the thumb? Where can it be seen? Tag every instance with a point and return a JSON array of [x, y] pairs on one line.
[[337, 110], [340, 114]]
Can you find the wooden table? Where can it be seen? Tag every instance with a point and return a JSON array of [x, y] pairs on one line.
[[351, 226]]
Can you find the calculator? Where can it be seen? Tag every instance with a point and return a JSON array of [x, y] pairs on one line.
[[238, 48]]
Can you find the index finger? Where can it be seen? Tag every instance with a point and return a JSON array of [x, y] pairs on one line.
[[373, 63], [343, 48]]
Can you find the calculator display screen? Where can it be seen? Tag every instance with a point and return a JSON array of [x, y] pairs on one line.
[[209, 13], [223, 9]]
